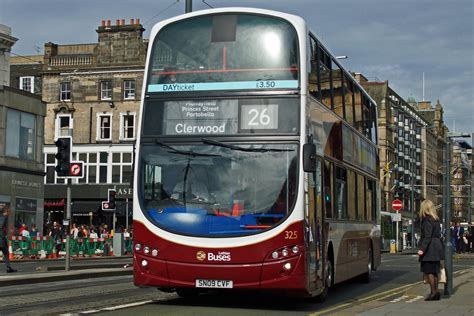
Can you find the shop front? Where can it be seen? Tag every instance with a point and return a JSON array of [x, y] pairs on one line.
[[23, 193]]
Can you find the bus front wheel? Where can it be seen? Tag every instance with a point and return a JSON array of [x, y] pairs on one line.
[[328, 282], [365, 278]]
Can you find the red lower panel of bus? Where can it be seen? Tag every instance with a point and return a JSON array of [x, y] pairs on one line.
[[249, 267]]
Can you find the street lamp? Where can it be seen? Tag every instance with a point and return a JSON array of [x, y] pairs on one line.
[[448, 246]]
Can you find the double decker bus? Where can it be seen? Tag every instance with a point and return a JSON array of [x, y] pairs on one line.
[[256, 162]]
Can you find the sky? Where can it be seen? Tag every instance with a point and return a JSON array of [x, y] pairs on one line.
[[394, 40]]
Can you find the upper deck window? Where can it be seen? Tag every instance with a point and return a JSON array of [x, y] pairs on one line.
[[225, 52]]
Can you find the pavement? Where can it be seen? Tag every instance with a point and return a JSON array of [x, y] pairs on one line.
[[409, 300], [55, 272]]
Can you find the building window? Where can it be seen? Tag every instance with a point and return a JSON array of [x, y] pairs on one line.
[[127, 126], [121, 167], [104, 126], [129, 89], [20, 135], [106, 90], [63, 125], [27, 84], [65, 91]]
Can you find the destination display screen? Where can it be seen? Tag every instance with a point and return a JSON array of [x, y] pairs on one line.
[[221, 117]]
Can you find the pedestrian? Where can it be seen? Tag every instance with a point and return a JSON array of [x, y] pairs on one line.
[[74, 231], [24, 231], [3, 238], [34, 231], [458, 232], [431, 248], [57, 236]]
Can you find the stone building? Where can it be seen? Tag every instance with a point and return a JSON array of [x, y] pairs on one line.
[[401, 159], [461, 169], [21, 146], [433, 139], [93, 94], [25, 73]]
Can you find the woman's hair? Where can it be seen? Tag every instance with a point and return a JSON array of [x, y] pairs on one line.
[[427, 208]]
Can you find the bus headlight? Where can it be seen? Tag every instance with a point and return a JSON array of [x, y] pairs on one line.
[[144, 263], [287, 266], [154, 252], [284, 252], [138, 247], [295, 249], [275, 255], [146, 250]]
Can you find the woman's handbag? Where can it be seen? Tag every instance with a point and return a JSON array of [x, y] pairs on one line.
[[442, 276]]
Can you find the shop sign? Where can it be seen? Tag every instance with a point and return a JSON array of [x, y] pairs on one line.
[[25, 183]]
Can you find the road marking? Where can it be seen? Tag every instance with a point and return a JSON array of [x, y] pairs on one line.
[[381, 295], [327, 310], [388, 292], [399, 299], [419, 297], [110, 308]]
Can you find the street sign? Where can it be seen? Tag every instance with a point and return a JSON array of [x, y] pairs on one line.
[[397, 205], [75, 169], [105, 206], [396, 217]]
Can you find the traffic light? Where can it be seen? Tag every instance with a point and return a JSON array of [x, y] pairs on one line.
[[112, 194], [63, 156]]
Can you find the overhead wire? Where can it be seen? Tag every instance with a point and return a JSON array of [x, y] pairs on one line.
[[162, 11], [210, 6]]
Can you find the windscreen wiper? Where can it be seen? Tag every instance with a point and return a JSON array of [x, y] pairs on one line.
[[184, 152], [234, 147]]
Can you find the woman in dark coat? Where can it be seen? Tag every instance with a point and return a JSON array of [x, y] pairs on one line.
[[430, 248]]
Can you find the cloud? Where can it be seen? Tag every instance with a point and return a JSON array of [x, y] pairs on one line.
[[391, 40]]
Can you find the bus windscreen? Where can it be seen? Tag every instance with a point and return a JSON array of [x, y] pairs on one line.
[[217, 189], [224, 52]]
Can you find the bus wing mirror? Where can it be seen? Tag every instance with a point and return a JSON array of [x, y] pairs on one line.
[[309, 157]]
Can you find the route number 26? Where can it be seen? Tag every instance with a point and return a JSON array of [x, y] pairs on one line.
[[259, 117], [291, 234]]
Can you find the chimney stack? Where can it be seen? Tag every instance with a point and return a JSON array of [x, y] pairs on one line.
[[132, 21], [103, 23], [108, 23]]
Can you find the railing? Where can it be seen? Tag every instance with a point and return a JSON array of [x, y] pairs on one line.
[[80, 60], [46, 247]]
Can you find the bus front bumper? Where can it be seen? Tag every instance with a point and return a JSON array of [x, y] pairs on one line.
[[285, 274]]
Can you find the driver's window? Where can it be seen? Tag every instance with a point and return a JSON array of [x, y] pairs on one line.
[[152, 182]]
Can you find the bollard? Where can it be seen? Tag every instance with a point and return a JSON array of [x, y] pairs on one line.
[[393, 246], [10, 250], [118, 244]]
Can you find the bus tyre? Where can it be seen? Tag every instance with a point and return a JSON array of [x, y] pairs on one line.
[[187, 293], [365, 278], [329, 281]]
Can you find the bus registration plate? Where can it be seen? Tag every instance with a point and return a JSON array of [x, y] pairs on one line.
[[215, 284]]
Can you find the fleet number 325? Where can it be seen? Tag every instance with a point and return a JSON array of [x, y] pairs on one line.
[[291, 234]]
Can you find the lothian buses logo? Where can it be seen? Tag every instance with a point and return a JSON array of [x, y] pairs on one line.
[[220, 256], [201, 255]]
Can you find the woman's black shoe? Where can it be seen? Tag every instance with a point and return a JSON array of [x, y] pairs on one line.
[[437, 296], [430, 297], [10, 270]]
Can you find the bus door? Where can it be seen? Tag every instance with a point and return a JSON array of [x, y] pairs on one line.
[[314, 216], [319, 223]]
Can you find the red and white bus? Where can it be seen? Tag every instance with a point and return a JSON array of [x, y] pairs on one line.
[[256, 163]]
